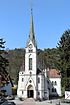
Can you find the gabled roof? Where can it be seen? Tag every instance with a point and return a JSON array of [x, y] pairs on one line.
[[53, 73], [38, 71]]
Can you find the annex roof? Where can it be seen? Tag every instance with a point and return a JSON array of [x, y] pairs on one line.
[[53, 73]]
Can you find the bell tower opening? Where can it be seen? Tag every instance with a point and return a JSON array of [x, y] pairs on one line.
[[30, 91]]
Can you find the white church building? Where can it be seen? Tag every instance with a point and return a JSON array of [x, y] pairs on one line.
[[33, 81]]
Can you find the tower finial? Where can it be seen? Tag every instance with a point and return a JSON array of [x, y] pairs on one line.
[[31, 9]]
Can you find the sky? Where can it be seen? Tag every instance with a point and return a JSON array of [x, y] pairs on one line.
[[51, 18]]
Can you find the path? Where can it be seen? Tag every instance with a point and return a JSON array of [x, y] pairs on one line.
[[29, 101]]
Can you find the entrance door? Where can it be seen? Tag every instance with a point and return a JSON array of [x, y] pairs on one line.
[[30, 92]]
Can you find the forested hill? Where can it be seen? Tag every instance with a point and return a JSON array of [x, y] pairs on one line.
[[48, 57], [15, 58], [11, 61]]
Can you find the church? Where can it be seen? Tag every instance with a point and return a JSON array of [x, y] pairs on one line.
[[35, 82]]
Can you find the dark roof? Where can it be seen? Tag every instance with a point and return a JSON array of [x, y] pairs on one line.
[[38, 71]]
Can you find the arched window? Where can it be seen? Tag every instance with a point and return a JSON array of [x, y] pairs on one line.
[[52, 83], [38, 80], [53, 89], [22, 92], [38, 93], [22, 79], [30, 63], [55, 83]]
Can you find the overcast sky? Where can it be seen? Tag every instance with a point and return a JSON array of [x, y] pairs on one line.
[[51, 19]]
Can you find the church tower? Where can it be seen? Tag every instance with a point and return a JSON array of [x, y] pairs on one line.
[[27, 84], [31, 61], [31, 49]]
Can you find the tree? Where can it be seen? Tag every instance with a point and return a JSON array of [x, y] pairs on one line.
[[48, 58], [16, 62], [52, 57], [64, 52], [4, 76]]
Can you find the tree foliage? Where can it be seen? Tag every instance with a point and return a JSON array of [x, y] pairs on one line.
[[16, 61], [64, 52], [4, 76]]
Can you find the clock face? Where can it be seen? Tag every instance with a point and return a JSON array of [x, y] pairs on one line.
[[30, 46]]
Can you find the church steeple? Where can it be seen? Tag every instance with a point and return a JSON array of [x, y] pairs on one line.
[[31, 33]]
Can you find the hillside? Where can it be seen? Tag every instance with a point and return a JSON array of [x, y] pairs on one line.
[[16, 57]]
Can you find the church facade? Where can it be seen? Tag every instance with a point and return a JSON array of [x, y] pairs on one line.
[[33, 81]]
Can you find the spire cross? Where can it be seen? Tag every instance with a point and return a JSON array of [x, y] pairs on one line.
[[31, 9]]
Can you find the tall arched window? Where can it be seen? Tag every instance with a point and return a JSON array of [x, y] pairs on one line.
[[30, 63]]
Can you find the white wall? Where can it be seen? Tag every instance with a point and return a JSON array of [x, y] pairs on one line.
[[41, 86], [23, 85], [58, 86]]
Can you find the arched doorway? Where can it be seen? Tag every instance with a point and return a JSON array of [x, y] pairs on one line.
[[30, 91]]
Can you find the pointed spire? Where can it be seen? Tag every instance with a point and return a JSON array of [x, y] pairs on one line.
[[31, 34]]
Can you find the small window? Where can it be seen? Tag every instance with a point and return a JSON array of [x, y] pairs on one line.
[[30, 74], [30, 51], [52, 83], [30, 81], [53, 89], [47, 81], [55, 83], [38, 80], [22, 92], [22, 79], [38, 93]]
